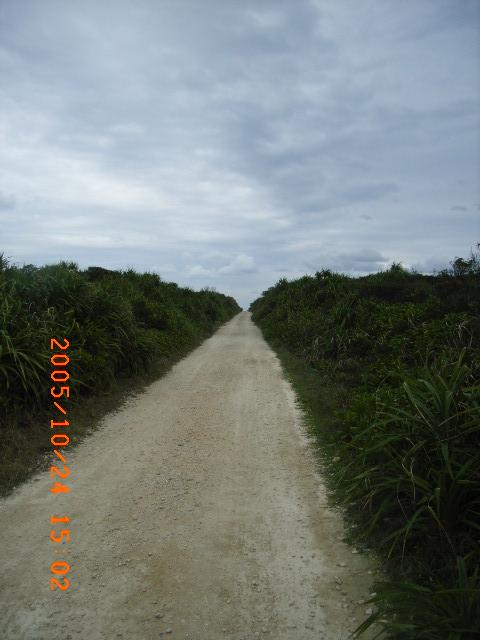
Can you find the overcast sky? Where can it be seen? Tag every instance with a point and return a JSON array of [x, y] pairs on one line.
[[229, 143]]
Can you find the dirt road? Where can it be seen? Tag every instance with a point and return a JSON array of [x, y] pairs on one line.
[[196, 512]]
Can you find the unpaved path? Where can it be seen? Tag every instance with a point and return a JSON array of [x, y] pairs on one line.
[[195, 509]]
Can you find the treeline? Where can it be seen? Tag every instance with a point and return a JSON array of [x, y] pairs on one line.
[[399, 353], [118, 323]]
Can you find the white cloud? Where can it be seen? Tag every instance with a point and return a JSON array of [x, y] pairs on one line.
[[240, 264], [198, 270], [237, 266]]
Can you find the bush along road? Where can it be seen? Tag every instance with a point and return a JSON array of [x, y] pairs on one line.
[[120, 325], [387, 367]]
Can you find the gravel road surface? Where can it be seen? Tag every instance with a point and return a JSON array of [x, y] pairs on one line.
[[196, 513]]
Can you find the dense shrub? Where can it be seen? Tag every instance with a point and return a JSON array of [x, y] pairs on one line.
[[404, 454], [117, 322]]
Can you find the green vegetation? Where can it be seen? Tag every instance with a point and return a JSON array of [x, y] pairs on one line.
[[119, 324], [388, 368]]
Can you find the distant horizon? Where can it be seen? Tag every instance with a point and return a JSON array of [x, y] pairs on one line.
[[229, 144], [243, 303]]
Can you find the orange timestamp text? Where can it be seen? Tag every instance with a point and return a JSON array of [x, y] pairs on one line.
[[59, 392]]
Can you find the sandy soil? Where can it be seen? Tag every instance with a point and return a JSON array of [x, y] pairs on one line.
[[196, 512]]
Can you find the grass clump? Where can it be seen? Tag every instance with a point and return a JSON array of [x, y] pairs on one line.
[[397, 356], [119, 324]]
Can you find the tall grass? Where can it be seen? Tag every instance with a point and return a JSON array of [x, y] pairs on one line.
[[119, 323], [403, 456]]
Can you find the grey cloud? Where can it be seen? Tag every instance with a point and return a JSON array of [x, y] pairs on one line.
[[432, 264], [233, 142], [7, 202], [367, 256], [364, 261]]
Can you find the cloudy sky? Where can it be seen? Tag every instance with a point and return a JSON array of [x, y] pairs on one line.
[[229, 143]]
